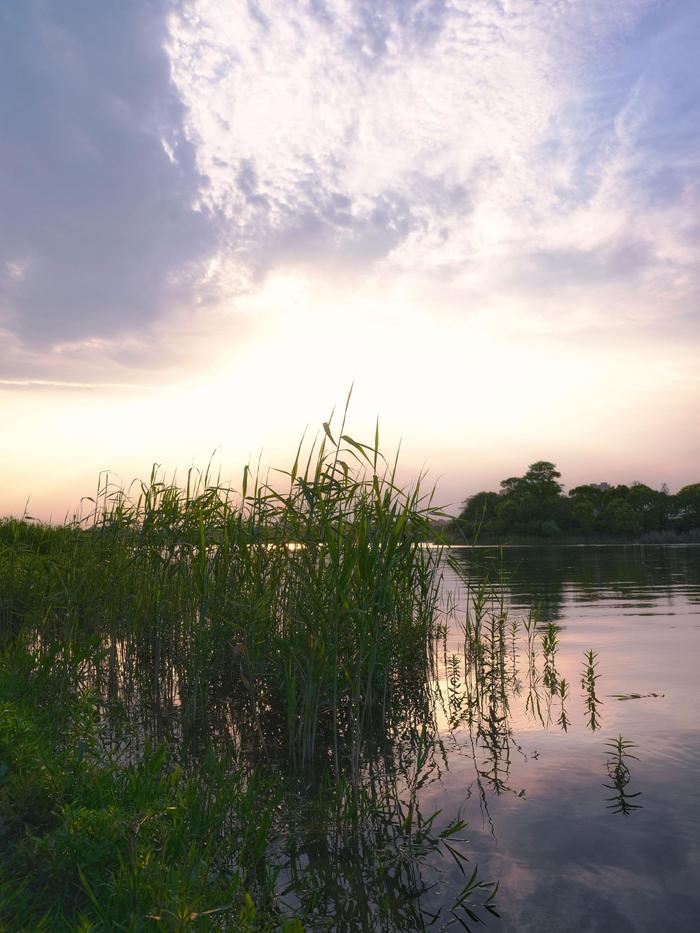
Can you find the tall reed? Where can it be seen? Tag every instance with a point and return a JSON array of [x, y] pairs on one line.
[[306, 602]]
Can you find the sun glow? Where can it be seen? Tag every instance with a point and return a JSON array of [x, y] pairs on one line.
[[467, 393]]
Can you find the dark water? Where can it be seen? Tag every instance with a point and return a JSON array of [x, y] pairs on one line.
[[569, 855]]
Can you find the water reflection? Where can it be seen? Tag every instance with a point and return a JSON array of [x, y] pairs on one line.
[[625, 626], [506, 728], [619, 773], [589, 678], [545, 578], [371, 858]]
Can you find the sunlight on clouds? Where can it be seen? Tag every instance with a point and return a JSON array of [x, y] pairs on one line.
[[482, 214], [464, 399], [454, 119], [444, 386]]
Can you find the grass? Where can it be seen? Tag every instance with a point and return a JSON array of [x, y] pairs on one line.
[[219, 709], [199, 687], [309, 608], [88, 844]]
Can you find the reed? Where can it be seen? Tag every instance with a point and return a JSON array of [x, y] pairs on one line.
[[219, 708], [289, 625], [308, 604]]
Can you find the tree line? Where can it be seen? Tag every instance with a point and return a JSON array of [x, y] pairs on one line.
[[535, 506]]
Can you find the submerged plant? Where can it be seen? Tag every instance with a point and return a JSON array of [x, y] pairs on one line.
[[589, 677], [619, 774], [563, 692], [550, 647]]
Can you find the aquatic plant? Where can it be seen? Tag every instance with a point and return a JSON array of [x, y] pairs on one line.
[[308, 605], [619, 774], [589, 678], [200, 684], [550, 647]]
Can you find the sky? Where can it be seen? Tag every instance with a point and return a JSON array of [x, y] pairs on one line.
[[216, 216]]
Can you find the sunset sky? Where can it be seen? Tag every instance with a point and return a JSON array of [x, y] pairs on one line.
[[216, 215]]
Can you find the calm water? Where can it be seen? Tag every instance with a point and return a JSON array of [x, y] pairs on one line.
[[579, 836], [541, 819]]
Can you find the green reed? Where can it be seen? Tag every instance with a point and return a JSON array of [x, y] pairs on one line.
[[307, 604], [589, 679], [290, 625]]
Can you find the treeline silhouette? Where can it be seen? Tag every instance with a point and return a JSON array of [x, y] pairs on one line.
[[535, 506]]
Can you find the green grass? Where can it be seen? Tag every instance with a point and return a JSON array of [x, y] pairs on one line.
[[89, 844], [220, 708], [201, 686], [309, 608]]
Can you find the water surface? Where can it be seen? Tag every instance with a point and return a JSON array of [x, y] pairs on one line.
[[570, 856]]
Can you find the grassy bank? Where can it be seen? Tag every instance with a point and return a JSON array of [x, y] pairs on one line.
[[89, 843]]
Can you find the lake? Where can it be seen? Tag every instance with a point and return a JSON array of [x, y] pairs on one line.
[[533, 724], [581, 835]]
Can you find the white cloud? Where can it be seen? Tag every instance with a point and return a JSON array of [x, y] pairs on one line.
[[297, 97], [483, 211], [469, 140]]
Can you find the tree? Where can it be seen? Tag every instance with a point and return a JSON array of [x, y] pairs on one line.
[[513, 484], [621, 519], [687, 507], [542, 478], [651, 505], [477, 514], [533, 504]]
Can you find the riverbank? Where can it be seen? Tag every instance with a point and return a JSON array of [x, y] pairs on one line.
[[445, 533]]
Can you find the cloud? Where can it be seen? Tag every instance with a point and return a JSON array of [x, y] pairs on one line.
[[527, 161], [101, 230], [509, 148]]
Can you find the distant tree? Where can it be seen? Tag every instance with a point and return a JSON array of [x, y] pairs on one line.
[[620, 518], [477, 514], [651, 505], [528, 502], [542, 478], [585, 510], [513, 484], [550, 529], [686, 507], [533, 505], [587, 491]]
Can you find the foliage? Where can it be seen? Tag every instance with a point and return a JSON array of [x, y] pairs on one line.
[[91, 844], [309, 605], [201, 690], [534, 506]]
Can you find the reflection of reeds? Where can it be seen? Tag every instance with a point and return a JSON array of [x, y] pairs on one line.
[[533, 702], [479, 686], [550, 647], [563, 692], [619, 774], [364, 859], [589, 678]]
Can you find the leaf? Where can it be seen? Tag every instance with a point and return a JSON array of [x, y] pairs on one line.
[[327, 429], [362, 448]]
